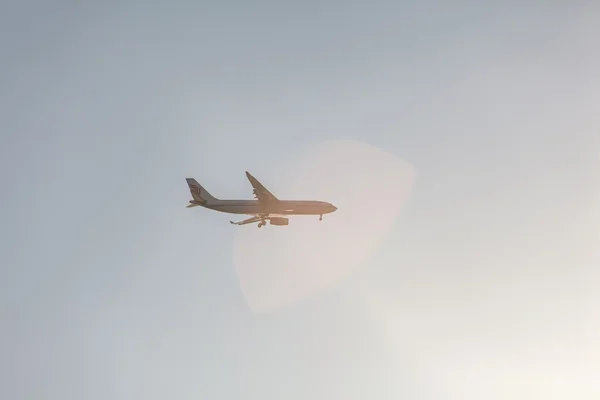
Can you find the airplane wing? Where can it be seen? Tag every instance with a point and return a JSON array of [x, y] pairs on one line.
[[260, 192], [247, 221]]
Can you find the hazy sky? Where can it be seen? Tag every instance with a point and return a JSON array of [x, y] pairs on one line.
[[486, 287]]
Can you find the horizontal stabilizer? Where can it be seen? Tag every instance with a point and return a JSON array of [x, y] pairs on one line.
[[193, 203]]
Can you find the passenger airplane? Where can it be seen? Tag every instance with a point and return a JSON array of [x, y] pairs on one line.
[[265, 207]]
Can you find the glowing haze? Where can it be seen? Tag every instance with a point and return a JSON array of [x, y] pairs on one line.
[[485, 287]]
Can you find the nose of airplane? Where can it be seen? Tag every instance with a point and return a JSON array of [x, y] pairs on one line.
[[333, 208]]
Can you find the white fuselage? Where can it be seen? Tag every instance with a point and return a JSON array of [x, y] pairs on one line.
[[281, 207]]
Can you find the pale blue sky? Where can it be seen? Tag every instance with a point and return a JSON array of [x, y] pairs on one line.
[[111, 289]]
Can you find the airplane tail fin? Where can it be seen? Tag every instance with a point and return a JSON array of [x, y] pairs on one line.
[[200, 195]]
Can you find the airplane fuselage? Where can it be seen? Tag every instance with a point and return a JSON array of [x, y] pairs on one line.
[[281, 207]]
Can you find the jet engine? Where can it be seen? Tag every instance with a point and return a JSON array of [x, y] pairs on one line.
[[279, 221]]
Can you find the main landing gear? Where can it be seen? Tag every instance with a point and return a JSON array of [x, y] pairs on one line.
[[263, 221], [321, 217]]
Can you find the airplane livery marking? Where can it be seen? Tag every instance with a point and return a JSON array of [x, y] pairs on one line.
[[196, 190]]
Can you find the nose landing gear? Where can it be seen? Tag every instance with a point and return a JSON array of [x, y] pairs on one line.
[[321, 217]]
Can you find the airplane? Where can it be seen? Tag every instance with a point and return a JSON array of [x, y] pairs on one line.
[[265, 207]]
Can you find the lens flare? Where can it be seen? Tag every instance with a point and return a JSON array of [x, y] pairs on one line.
[[279, 266]]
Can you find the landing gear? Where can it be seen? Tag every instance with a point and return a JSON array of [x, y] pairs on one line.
[[321, 217], [262, 222]]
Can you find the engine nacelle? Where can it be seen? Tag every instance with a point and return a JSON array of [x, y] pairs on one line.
[[279, 221]]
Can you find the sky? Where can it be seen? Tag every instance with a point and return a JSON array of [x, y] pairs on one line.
[[459, 142]]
